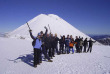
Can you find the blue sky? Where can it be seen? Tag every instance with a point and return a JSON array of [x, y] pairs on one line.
[[89, 16]]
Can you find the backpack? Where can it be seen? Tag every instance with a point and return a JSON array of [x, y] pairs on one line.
[[34, 42]]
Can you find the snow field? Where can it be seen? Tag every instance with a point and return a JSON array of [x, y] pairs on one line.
[[17, 58]]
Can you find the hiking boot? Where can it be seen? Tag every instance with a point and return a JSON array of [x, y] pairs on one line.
[[35, 66], [50, 61], [40, 61], [58, 54], [53, 56], [38, 64]]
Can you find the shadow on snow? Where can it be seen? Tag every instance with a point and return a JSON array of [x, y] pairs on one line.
[[26, 58]]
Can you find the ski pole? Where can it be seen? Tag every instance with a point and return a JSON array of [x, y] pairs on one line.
[[28, 26], [49, 28]]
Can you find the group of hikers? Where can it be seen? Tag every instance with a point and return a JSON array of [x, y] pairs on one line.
[[47, 44]]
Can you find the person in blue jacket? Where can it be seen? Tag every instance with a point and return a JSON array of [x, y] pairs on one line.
[[67, 40], [37, 48]]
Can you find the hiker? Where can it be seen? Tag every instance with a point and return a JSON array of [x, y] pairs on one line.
[[81, 44], [52, 45], [90, 45], [85, 44], [43, 38], [77, 44], [62, 42], [67, 40], [71, 44], [56, 39], [48, 45], [37, 48]]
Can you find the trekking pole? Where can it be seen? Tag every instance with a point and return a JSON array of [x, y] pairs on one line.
[[28, 26], [49, 28]]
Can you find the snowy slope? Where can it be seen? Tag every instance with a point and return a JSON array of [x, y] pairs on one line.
[[16, 58], [57, 25]]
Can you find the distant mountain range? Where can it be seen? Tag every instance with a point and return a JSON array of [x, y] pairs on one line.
[[2, 34], [104, 39]]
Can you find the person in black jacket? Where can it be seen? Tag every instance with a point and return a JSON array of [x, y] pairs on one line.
[[77, 41], [85, 44], [81, 44], [52, 45], [90, 45], [48, 45], [43, 38], [62, 42], [56, 39]]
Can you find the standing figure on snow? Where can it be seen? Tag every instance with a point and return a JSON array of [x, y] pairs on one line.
[[81, 44], [37, 48], [48, 45], [52, 45], [90, 45], [62, 42], [77, 42], [85, 45], [71, 44], [67, 40], [56, 39], [43, 38]]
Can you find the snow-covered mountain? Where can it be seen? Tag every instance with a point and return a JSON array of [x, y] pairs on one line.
[[57, 25]]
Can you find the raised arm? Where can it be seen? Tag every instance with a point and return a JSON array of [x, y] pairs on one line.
[[45, 31], [30, 31]]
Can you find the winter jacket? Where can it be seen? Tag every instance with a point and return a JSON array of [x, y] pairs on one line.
[[91, 43], [44, 37], [67, 41], [47, 42], [52, 41], [85, 43], [62, 42], [38, 42], [81, 42], [56, 39], [71, 44], [77, 41]]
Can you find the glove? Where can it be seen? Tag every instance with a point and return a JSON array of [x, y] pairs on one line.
[[45, 27], [30, 30]]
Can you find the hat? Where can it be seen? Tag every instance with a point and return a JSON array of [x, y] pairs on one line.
[[39, 34]]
